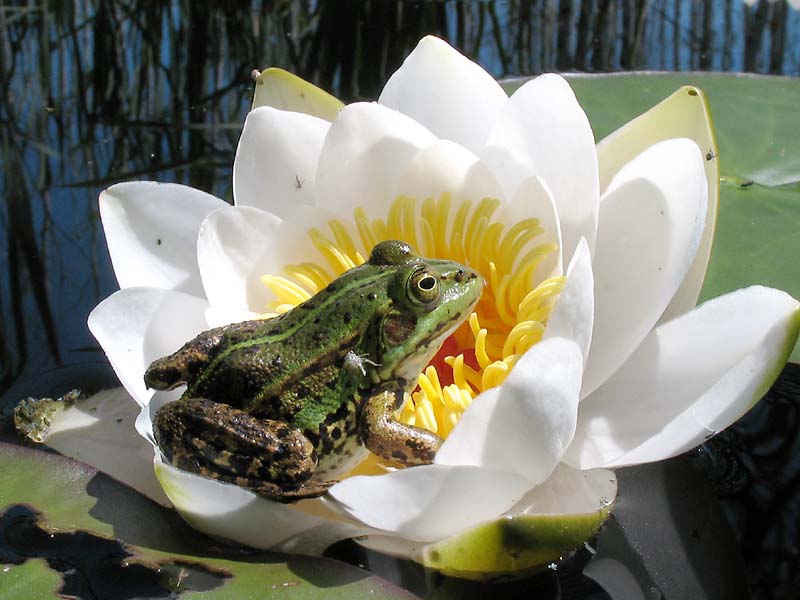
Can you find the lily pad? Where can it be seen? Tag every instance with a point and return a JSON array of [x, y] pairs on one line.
[[755, 117], [758, 135], [64, 524], [32, 579]]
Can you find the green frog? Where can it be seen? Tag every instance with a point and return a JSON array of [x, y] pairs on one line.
[[284, 406]]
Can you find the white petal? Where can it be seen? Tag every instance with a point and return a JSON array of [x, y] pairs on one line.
[[144, 421], [233, 513], [100, 432], [429, 502], [151, 229], [570, 491], [231, 248], [293, 243], [447, 167], [366, 149], [221, 316], [445, 91], [690, 378], [684, 114], [533, 198], [651, 222], [543, 131], [276, 161], [573, 315], [526, 424], [615, 578], [137, 325], [314, 541]]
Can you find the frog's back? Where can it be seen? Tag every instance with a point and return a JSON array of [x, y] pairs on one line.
[[291, 367]]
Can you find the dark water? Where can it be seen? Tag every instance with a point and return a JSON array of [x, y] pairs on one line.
[[95, 92]]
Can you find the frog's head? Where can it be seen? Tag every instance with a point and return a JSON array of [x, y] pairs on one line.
[[429, 299]]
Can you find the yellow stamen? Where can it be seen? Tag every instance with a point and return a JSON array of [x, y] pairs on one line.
[[508, 320]]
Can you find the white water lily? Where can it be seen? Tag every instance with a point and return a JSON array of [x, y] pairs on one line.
[[562, 373]]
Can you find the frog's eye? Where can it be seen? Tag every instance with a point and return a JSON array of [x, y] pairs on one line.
[[423, 287]]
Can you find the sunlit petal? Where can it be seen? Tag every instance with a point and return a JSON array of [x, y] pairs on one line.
[[524, 425], [431, 501], [276, 160], [366, 149], [651, 222], [446, 92], [690, 378], [231, 251], [686, 114], [447, 167], [151, 230], [573, 315], [100, 432], [543, 131], [135, 326], [233, 513], [570, 491]]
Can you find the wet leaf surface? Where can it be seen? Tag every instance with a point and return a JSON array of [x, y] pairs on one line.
[[66, 527]]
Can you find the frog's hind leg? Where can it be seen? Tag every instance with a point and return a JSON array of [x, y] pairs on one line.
[[214, 440]]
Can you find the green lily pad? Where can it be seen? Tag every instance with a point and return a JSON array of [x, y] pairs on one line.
[[32, 579], [758, 134], [759, 240], [755, 117], [60, 515]]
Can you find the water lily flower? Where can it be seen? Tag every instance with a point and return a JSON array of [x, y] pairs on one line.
[[586, 351]]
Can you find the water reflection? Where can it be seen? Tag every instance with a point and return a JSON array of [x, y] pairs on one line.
[[96, 92]]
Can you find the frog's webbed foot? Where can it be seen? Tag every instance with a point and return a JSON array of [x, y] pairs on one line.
[[392, 440], [214, 440]]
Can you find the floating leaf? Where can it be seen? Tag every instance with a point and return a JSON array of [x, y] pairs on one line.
[[59, 514]]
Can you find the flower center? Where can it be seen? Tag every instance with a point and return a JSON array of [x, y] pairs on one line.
[[509, 318]]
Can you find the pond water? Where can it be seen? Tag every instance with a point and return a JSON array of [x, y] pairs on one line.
[[96, 92]]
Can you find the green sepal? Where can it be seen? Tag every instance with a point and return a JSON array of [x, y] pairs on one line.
[[285, 91], [512, 547]]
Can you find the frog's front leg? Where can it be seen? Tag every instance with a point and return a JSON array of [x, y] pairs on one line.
[[212, 439], [390, 439]]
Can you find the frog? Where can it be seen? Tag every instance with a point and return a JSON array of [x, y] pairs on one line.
[[285, 406]]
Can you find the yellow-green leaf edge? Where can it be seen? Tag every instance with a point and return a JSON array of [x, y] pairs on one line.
[[511, 547], [286, 91]]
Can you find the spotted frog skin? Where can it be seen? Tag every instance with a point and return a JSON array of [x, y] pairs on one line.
[[284, 406]]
